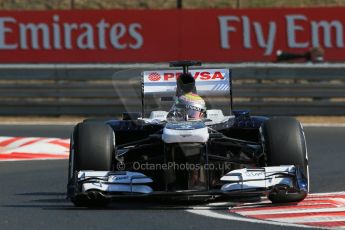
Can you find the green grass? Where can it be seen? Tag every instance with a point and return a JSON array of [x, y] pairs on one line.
[[161, 4]]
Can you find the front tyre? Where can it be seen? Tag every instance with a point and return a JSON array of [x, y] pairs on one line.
[[284, 144], [92, 148]]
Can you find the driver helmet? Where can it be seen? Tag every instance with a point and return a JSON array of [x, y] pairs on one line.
[[192, 105]]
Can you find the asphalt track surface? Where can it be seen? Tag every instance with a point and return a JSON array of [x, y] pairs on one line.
[[32, 193]]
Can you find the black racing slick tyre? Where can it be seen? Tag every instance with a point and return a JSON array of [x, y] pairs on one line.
[[92, 148], [284, 144]]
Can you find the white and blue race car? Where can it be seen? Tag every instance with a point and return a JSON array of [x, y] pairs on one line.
[[227, 153]]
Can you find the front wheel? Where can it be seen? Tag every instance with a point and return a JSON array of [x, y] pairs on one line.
[[284, 144], [92, 148]]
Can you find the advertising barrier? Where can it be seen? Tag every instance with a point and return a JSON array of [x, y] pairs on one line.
[[212, 35]]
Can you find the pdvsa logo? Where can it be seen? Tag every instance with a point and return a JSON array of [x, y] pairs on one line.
[[203, 76], [154, 76]]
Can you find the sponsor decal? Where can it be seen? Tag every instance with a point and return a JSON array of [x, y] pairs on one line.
[[106, 36], [154, 76], [254, 174], [171, 76], [20, 34], [197, 76]]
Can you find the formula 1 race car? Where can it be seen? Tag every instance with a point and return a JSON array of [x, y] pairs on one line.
[[164, 153]]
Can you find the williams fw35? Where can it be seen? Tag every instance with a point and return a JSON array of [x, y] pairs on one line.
[[173, 150]]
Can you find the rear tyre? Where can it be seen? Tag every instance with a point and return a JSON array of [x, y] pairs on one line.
[[284, 144], [92, 148]]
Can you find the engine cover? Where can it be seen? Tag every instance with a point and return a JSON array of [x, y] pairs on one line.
[[185, 132]]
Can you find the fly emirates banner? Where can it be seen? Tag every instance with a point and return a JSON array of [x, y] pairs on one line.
[[120, 36]]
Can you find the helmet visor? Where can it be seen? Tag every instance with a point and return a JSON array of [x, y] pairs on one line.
[[194, 114]]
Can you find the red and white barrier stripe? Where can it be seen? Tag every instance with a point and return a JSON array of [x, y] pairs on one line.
[[319, 210], [33, 148]]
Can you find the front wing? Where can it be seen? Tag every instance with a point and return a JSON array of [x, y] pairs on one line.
[[241, 182]]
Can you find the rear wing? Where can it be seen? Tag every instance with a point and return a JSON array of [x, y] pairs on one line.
[[159, 87]]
